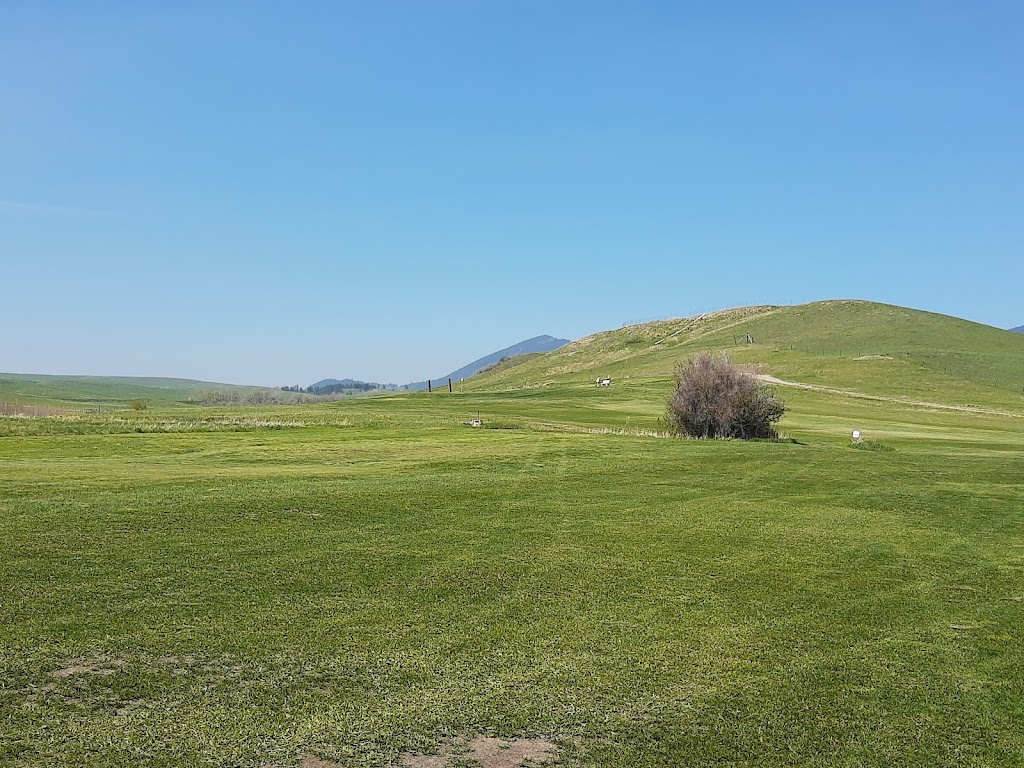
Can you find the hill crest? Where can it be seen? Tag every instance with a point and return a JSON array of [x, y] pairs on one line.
[[840, 343]]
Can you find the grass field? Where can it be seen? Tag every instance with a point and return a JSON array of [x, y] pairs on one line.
[[92, 392], [364, 582]]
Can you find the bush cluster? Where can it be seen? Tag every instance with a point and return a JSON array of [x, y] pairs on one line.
[[717, 398], [229, 397]]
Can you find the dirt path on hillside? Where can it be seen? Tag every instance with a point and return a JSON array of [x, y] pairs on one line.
[[920, 403]]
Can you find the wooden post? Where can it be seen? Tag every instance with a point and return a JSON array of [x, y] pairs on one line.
[[429, 389], [449, 386]]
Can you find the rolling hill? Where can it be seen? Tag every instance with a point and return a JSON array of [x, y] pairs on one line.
[[859, 346], [1018, 329]]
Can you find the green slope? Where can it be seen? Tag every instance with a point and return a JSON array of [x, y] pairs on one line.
[[869, 348]]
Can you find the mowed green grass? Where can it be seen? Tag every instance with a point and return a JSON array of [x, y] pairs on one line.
[[366, 579]]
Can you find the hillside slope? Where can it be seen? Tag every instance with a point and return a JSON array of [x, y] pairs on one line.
[[855, 345]]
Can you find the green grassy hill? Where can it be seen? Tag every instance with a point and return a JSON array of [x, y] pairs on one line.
[[869, 348]]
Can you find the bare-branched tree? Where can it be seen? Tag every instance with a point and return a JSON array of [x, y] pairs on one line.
[[717, 398]]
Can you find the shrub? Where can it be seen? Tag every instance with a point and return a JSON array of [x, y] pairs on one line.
[[262, 397], [716, 398], [139, 405]]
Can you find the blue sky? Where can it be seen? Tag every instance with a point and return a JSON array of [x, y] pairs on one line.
[[272, 193]]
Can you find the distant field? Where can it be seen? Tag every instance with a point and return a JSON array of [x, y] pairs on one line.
[[84, 392], [366, 582]]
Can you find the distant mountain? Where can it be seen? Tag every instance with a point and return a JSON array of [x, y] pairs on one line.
[[1018, 329], [536, 344]]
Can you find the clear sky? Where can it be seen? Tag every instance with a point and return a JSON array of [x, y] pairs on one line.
[[273, 193]]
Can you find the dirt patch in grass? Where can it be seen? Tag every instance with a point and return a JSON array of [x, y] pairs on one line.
[[68, 685], [95, 666], [315, 762], [127, 707], [180, 665], [486, 752], [509, 753], [440, 760]]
